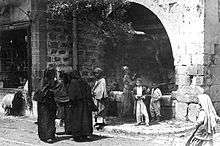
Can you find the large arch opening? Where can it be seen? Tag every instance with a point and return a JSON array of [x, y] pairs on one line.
[[147, 51]]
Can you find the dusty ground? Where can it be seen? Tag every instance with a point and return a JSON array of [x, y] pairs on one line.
[[22, 131]]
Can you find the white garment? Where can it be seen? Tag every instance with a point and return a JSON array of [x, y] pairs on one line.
[[26, 86], [139, 91], [100, 89], [156, 94], [209, 110], [141, 110]]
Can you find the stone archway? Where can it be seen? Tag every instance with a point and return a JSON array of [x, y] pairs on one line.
[[184, 24], [177, 18], [148, 53]]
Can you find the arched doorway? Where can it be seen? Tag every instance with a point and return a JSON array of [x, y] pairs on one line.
[[148, 52]]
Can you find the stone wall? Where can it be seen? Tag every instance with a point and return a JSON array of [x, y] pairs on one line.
[[52, 41], [59, 44], [89, 48], [212, 50]]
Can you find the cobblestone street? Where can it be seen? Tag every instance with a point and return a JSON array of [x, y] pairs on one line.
[[22, 131]]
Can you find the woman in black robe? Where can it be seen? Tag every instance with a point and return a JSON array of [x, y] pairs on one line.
[[46, 106], [81, 102], [62, 100]]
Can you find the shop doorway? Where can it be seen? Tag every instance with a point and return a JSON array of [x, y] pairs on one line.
[[13, 58]]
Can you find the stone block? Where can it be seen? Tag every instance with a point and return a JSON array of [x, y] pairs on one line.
[[53, 51], [199, 80], [52, 36], [191, 70], [62, 37], [180, 110], [56, 29], [200, 69], [186, 94], [197, 59], [53, 45], [61, 52], [56, 59], [66, 59], [193, 112], [182, 80], [64, 45], [51, 64], [181, 70], [196, 70]]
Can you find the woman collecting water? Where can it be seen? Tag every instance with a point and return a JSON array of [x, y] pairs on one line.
[[206, 123]]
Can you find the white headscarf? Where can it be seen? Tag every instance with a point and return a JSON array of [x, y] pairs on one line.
[[210, 113]]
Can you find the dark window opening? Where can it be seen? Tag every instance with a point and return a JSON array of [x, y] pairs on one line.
[[13, 58]]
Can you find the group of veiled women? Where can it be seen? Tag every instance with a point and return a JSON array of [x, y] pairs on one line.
[[69, 97]]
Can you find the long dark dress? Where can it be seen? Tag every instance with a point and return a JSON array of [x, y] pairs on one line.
[[128, 103], [46, 119], [46, 108], [81, 113], [62, 100]]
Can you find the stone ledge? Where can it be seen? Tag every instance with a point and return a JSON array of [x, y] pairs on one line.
[[165, 127]]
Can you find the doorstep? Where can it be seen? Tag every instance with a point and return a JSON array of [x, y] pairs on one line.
[[164, 127]]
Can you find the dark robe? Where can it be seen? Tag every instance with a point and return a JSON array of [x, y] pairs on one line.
[[46, 110], [63, 106], [79, 94], [128, 102]]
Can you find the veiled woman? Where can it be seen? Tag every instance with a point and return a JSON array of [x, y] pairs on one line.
[[80, 99], [46, 106], [206, 123], [62, 100]]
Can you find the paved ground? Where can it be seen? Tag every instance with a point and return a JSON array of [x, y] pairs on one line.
[[22, 131]]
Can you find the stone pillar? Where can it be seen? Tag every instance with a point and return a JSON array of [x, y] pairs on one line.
[[38, 40], [74, 50], [0, 50]]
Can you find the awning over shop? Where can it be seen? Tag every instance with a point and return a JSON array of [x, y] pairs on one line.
[[14, 25]]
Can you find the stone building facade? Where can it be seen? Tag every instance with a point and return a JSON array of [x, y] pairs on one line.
[[191, 28]]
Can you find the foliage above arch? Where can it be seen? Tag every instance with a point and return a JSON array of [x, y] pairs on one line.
[[67, 7], [99, 13]]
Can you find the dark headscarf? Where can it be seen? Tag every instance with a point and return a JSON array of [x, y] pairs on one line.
[[49, 75], [75, 75]]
